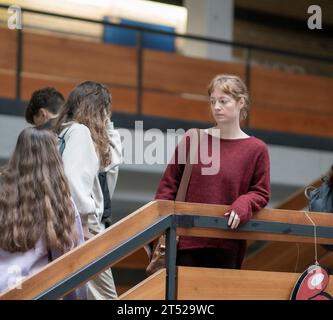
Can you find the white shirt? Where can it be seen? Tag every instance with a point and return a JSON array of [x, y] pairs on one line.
[[82, 165]]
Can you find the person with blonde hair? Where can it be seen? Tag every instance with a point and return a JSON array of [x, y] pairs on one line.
[[91, 145], [241, 181], [38, 219]]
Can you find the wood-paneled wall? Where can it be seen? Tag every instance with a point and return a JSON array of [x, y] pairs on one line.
[[174, 86]]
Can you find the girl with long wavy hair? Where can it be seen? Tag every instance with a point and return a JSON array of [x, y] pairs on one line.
[[92, 146], [38, 219]]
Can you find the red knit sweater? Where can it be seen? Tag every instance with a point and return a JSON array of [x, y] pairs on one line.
[[242, 181]]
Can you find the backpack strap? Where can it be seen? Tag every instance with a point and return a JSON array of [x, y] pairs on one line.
[[62, 142]]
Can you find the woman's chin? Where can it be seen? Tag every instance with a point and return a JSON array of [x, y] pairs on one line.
[[221, 120]]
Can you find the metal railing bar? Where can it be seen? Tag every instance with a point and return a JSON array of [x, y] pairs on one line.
[[186, 221], [186, 36], [108, 259], [171, 253]]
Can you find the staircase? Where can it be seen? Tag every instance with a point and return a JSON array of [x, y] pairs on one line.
[[178, 218]]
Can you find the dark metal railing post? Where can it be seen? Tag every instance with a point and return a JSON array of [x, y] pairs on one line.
[[248, 79], [171, 253], [19, 63], [139, 40]]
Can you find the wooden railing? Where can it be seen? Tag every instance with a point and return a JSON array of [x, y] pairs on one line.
[[220, 284], [168, 85], [268, 256], [280, 256], [77, 266]]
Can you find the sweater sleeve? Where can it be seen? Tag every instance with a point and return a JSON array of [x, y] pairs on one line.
[[116, 158], [168, 186], [81, 165], [170, 181], [259, 191]]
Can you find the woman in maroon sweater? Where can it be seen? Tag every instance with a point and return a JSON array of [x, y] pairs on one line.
[[241, 180]]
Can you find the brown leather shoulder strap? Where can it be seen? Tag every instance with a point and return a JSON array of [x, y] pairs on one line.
[[182, 189]]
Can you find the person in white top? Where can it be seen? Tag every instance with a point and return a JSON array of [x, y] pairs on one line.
[[39, 220], [91, 145]]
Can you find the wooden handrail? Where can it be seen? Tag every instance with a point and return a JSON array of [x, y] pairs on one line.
[[230, 284], [152, 288], [85, 254], [262, 256], [272, 215], [73, 261], [220, 284]]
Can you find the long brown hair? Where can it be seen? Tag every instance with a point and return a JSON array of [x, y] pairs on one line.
[[90, 104], [35, 200]]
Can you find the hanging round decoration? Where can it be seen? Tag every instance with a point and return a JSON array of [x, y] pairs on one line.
[[311, 285]]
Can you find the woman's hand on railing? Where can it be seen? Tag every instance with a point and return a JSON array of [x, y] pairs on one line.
[[234, 219]]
